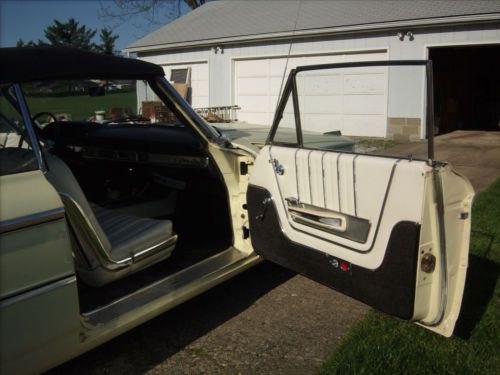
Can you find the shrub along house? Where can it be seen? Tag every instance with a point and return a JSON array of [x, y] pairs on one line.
[[235, 53]]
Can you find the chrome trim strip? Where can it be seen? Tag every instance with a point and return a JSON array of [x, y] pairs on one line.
[[354, 183], [170, 241], [338, 181], [29, 127], [31, 220], [323, 176], [354, 228], [296, 172], [9, 301], [310, 176]]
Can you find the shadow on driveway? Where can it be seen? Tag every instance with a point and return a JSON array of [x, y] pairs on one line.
[[153, 342]]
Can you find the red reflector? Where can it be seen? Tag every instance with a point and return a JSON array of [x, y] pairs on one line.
[[344, 266]]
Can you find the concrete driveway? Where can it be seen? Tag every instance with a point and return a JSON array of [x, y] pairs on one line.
[[267, 320], [476, 154]]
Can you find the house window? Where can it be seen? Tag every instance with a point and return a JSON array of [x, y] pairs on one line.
[[179, 75]]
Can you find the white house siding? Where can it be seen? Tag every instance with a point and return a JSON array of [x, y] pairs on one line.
[[222, 65]]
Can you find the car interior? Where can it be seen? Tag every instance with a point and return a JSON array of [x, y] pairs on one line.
[[142, 202]]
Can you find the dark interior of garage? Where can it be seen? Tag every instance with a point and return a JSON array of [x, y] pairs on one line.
[[466, 88]]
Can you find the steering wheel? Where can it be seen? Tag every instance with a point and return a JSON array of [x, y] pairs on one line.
[[51, 130], [37, 128], [40, 114]]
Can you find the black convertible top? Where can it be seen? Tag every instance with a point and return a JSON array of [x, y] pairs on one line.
[[61, 63]]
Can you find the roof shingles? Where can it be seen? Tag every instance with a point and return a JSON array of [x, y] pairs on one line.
[[226, 19]]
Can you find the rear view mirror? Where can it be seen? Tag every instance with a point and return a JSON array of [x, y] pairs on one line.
[[96, 91]]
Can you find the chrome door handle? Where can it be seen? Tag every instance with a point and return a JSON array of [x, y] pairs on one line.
[[278, 168]]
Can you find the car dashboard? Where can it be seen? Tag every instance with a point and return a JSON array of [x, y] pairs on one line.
[[171, 146]]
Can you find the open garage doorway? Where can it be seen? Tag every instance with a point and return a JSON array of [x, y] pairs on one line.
[[466, 87]]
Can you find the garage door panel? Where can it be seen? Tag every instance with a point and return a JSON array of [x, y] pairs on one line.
[[276, 67], [321, 84], [252, 86], [274, 85], [365, 83], [254, 103], [257, 85], [322, 122], [322, 104], [252, 68], [364, 104]]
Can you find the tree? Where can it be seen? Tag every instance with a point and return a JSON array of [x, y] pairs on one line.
[[21, 43], [152, 12], [69, 34], [107, 45]]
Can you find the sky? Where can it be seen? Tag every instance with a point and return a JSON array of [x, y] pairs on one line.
[[26, 19]]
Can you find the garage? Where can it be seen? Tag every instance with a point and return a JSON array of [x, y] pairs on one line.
[[244, 57], [196, 76], [466, 87], [257, 84]]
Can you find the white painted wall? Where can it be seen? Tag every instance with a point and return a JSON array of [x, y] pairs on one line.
[[222, 65]]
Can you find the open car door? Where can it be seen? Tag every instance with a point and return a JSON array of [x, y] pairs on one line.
[[355, 213]]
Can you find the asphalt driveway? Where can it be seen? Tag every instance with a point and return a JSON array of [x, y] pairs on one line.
[[266, 320]]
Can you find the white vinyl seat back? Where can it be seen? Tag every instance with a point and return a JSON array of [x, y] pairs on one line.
[[111, 244], [61, 177]]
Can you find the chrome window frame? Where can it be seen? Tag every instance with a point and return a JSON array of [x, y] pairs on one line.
[[291, 89], [25, 113]]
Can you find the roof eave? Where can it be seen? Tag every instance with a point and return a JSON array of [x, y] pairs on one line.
[[444, 21]]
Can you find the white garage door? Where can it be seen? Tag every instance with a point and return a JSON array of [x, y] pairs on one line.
[[199, 82], [257, 84]]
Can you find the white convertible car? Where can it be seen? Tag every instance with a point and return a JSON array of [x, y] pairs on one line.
[[118, 202]]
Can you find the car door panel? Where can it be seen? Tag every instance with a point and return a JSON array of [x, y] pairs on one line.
[[388, 230], [399, 200], [39, 308], [388, 285], [381, 190]]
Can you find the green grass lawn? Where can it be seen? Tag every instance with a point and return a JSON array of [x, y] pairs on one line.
[[80, 107], [380, 344]]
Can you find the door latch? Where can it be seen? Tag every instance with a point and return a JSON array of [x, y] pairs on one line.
[[278, 168]]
